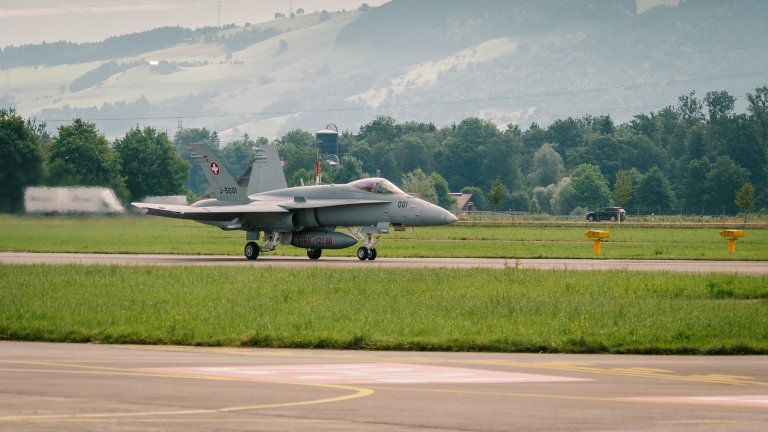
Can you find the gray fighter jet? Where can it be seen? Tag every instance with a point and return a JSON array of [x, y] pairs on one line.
[[306, 216]]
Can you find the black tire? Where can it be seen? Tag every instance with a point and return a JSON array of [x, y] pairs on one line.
[[590, 218], [371, 254], [314, 254], [613, 218], [251, 250], [362, 253]]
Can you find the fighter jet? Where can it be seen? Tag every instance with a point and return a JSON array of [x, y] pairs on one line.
[[305, 216]]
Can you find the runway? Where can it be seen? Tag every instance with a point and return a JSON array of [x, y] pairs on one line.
[[689, 266], [73, 387]]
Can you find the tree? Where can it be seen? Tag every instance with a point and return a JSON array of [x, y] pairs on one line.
[[590, 188], [758, 108], [563, 198], [548, 166], [724, 178], [81, 156], [466, 149], [419, 184], [150, 164], [238, 155], [533, 206], [496, 194], [694, 190], [719, 105], [744, 198], [22, 159], [350, 169], [567, 135], [444, 198], [543, 196], [654, 193], [690, 108], [622, 188]]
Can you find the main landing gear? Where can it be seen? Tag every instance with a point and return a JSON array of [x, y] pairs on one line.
[[251, 250]]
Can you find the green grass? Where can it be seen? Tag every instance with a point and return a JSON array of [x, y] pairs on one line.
[[132, 234], [420, 309]]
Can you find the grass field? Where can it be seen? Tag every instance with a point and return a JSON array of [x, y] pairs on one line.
[[133, 234], [422, 309]]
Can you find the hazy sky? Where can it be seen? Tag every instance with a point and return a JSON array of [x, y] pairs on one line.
[[25, 21]]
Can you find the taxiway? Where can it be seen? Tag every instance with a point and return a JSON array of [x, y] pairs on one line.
[[73, 387], [689, 266]]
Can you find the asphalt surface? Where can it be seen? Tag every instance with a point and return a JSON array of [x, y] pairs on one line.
[[690, 266], [73, 387]]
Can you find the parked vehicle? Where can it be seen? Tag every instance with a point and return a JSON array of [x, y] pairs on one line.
[[612, 214]]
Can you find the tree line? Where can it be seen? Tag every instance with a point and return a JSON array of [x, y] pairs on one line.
[[695, 157]]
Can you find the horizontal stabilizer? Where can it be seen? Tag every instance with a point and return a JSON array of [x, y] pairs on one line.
[[212, 213]]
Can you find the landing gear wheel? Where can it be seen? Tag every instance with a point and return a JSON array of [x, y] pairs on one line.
[[314, 254], [362, 253], [371, 254], [251, 250]]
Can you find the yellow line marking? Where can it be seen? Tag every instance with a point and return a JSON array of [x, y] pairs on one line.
[[358, 392]]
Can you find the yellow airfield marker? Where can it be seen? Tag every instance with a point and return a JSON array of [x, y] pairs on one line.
[[597, 236], [731, 235]]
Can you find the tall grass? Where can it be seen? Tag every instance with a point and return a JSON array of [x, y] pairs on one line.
[[420, 309]]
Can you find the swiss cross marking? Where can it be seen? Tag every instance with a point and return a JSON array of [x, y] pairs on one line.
[[215, 168]]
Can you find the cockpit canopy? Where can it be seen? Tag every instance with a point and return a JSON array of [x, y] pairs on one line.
[[376, 185]]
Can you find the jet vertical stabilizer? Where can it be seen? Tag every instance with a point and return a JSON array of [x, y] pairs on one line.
[[225, 188], [267, 171]]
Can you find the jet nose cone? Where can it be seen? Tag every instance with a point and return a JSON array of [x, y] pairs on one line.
[[450, 218]]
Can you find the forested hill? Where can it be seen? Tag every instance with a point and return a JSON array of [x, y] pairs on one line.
[[428, 27], [434, 61]]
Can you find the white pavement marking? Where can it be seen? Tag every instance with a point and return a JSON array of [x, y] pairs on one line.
[[368, 373]]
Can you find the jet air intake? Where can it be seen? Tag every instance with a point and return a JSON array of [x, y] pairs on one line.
[[322, 240]]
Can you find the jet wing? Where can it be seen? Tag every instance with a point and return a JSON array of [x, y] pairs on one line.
[[212, 213], [229, 212]]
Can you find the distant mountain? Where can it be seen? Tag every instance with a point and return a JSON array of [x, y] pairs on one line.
[[439, 61]]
